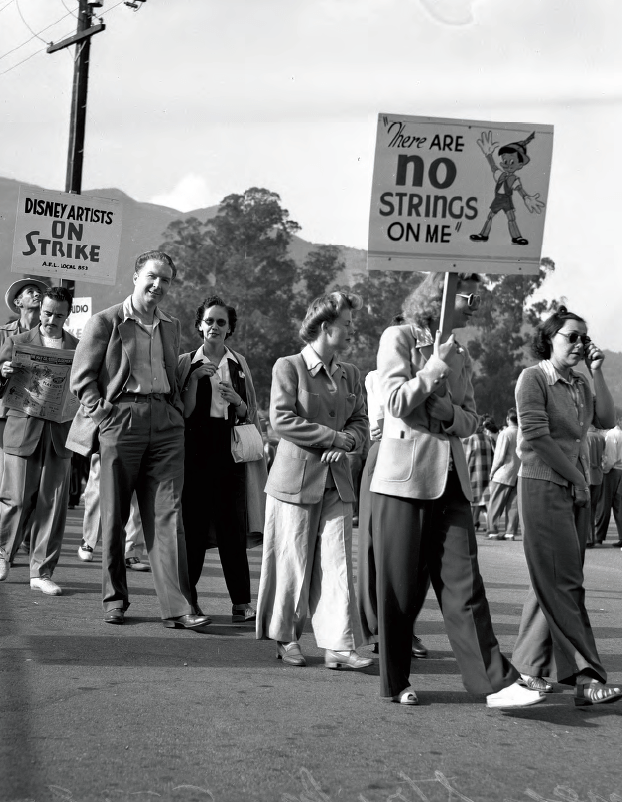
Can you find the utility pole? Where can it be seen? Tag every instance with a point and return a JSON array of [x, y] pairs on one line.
[[77, 125]]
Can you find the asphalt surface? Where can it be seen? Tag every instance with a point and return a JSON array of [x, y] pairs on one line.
[[89, 711]]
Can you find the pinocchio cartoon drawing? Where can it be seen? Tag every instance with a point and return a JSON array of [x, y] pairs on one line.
[[512, 158]]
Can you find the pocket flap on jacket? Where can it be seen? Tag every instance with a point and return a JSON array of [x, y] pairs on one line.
[[287, 474], [395, 459]]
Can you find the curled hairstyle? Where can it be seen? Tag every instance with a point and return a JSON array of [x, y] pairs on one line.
[[156, 256], [545, 331], [216, 300], [326, 309], [423, 304], [58, 294]]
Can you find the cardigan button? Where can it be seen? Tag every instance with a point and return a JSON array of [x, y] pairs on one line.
[[332, 415]]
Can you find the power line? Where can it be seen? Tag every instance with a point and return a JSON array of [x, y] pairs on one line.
[[69, 10], [23, 60], [6, 5], [35, 35], [19, 11]]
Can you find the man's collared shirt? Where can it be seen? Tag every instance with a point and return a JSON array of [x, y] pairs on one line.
[[148, 372], [612, 457], [219, 407]]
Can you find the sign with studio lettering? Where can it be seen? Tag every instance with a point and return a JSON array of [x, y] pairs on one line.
[[459, 195], [75, 237]]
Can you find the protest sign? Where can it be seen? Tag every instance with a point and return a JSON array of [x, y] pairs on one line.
[[74, 237], [40, 387], [81, 311], [458, 195]]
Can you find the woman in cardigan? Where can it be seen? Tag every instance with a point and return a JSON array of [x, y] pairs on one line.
[[318, 410], [220, 503], [420, 499], [555, 409]]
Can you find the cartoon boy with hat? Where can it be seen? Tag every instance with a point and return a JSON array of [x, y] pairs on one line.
[[24, 299], [513, 157]]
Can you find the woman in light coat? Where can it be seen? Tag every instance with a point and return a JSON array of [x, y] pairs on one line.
[[318, 410], [421, 499]]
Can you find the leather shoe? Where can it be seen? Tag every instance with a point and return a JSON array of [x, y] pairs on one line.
[[134, 564], [290, 653], [535, 683], [115, 616], [418, 649], [189, 621], [350, 659]]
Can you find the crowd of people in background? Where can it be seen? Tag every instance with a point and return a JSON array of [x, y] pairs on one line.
[[179, 462]]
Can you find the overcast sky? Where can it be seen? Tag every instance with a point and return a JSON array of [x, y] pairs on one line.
[[191, 100]]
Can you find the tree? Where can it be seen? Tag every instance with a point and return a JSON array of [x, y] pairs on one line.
[[505, 323], [383, 294], [242, 255], [319, 272]]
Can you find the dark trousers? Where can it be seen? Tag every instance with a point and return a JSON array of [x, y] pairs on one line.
[[502, 506], [214, 508], [441, 533], [596, 492], [555, 638], [366, 566], [142, 450], [611, 498]]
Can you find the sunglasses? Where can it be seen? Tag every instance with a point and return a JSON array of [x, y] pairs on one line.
[[220, 322], [473, 301], [574, 336]]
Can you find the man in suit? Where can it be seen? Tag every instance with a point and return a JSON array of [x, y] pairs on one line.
[[37, 463], [124, 377]]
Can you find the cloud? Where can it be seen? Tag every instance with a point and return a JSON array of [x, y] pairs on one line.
[[189, 193]]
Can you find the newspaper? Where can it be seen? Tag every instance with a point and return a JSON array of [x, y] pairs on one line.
[[41, 387]]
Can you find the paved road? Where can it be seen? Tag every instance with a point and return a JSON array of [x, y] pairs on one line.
[[140, 712]]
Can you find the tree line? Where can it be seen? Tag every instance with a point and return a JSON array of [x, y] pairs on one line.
[[243, 255]]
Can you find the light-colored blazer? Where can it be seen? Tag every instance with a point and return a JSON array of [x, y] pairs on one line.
[[307, 409], [413, 461], [506, 462], [256, 471], [102, 366], [23, 432]]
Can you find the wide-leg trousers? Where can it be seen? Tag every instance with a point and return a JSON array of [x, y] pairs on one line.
[[440, 532], [33, 498], [555, 637], [92, 523], [307, 569], [214, 506], [366, 564], [142, 450], [610, 499], [502, 505]]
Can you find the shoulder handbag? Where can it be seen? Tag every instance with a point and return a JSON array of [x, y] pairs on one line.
[[246, 443]]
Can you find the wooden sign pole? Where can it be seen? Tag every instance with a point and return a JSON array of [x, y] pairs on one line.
[[447, 307]]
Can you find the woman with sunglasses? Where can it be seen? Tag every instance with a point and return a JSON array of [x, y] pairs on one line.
[[222, 500], [421, 499], [555, 409]]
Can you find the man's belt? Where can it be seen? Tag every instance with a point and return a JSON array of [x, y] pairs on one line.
[[142, 397]]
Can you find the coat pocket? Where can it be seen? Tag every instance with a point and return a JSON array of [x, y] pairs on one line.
[[287, 474], [308, 404], [396, 459]]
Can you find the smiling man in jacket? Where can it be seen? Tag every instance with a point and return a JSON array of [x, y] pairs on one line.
[[124, 377]]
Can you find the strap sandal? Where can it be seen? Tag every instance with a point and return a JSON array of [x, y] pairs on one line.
[[595, 693], [535, 683]]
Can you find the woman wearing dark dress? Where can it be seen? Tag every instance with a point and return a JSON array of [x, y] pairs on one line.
[[218, 501]]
